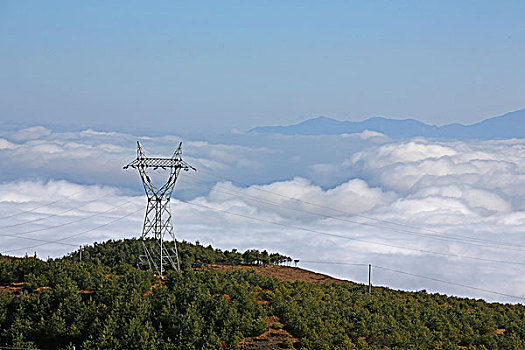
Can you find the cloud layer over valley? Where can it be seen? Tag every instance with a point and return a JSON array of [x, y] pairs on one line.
[[450, 210]]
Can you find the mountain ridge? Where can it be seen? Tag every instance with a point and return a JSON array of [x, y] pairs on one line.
[[509, 125]]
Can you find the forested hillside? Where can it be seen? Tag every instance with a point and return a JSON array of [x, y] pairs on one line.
[[103, 302]]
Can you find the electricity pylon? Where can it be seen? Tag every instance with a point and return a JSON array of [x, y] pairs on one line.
[[157, 221]]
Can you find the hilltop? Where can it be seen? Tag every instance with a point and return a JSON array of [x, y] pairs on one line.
[[103, 302]]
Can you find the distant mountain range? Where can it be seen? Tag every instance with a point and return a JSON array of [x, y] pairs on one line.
[[510, 125]]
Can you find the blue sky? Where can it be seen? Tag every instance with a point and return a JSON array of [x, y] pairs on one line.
[[214, 66], [101, 74]]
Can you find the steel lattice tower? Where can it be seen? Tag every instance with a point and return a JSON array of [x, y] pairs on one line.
[[157, 221]]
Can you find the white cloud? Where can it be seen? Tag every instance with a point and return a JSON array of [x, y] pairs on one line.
[[296, 198], [32, 133], [4, 144], [367, 134], [475, 198], [405, 152], [458, 192], [403, 165]]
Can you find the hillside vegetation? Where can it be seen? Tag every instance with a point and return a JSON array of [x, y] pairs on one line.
[[103, 302]]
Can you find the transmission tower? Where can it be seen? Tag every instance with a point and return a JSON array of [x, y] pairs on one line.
[[157, 221]]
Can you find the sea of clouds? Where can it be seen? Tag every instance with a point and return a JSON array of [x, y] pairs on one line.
[[445, 209]]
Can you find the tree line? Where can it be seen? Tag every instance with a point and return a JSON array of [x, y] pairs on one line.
[[114, 252]]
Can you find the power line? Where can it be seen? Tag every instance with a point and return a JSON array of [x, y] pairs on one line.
[[53, 215], [44, 205], [333, 262], [73, 235], [276, 204], [353, 238], [60, 241], [47, 241], [418, 276], [448, 282], [367, 217], [18, 234], [322, 233]]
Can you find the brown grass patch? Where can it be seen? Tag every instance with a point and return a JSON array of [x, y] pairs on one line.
[[282, 273], [271, 339]]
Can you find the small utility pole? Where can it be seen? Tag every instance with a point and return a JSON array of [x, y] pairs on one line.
[[80, 252], [369, 278]]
